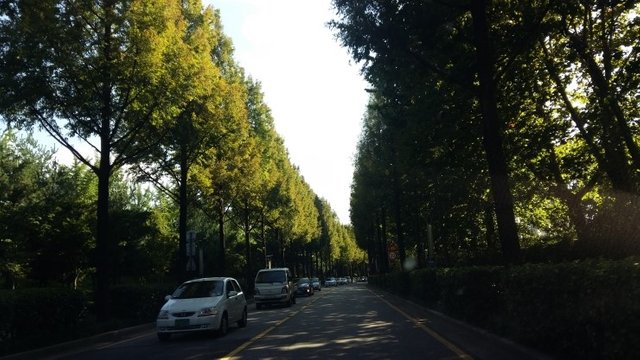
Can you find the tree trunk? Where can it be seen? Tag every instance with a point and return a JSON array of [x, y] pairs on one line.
[[397, 210], [384, 242], [492, 137], [247, 241], [420, 240], [221, 244], [182, 272], [103, 241], [264, 241]]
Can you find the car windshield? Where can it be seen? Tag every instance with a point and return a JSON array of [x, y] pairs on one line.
[[315, 279], [270, 277], [303, 281], [199, 289]]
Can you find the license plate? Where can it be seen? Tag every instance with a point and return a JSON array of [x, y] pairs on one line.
[[182, 323]]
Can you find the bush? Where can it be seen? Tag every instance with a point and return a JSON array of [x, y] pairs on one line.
[[585, 310], [139, 303], [471, 294], [40, 316]]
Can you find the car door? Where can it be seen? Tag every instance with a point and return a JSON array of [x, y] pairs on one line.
[[240, 299], [233, 301]]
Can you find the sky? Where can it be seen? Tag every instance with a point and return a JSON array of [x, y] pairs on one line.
[[312, 86]]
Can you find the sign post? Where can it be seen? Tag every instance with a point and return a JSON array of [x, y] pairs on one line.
[[191, 250]]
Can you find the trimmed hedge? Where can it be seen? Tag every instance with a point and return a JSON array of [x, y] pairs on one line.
[[44, 316], [139, 303], [40, 316], [586, 309]]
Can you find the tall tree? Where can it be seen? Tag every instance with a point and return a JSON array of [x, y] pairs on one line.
[[98, 72], [436, 40]]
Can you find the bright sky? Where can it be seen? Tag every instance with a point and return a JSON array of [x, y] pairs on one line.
[[315, 92]]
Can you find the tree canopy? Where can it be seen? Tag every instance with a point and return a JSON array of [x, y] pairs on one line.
[[490, 114]]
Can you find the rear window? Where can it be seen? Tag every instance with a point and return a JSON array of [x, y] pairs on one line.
[[271, 277], [199, 289]]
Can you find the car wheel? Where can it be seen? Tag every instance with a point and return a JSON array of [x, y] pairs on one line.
[[164, 337], [243, 322], [224, 325]]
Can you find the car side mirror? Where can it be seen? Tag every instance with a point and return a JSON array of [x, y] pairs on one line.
[[232, 293], [168, 297]]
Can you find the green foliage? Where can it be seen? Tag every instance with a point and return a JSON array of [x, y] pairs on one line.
[[472, 294], [139, 303], [580, 310], [58, 313], [566, 88]]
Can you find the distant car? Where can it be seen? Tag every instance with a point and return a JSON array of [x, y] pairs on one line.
[[304, 287], [202, 304], [330, 282], [316, 283], [342, 281]]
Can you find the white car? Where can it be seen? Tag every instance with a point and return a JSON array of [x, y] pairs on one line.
[[201, 305], [274, 287], [330, 282]]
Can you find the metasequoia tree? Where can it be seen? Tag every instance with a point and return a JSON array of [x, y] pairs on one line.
[[100, 73]]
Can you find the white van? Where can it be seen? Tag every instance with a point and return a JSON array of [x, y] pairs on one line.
[[274, 286]]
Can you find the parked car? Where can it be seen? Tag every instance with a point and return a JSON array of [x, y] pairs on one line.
[[304, 287], [274, 287], [316, 283], [341, 281], [202, 305], [330, 282]]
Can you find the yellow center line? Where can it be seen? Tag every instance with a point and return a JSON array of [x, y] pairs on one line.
[[431, 332], [240, 348]]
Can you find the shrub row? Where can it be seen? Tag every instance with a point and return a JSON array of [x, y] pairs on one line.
[[40, 317], [586, 309], [139, 303]]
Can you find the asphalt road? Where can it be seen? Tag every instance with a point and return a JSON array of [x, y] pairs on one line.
[[346, 322]]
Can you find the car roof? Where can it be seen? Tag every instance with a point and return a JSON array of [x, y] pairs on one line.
[[274, 269], [209, 279]]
